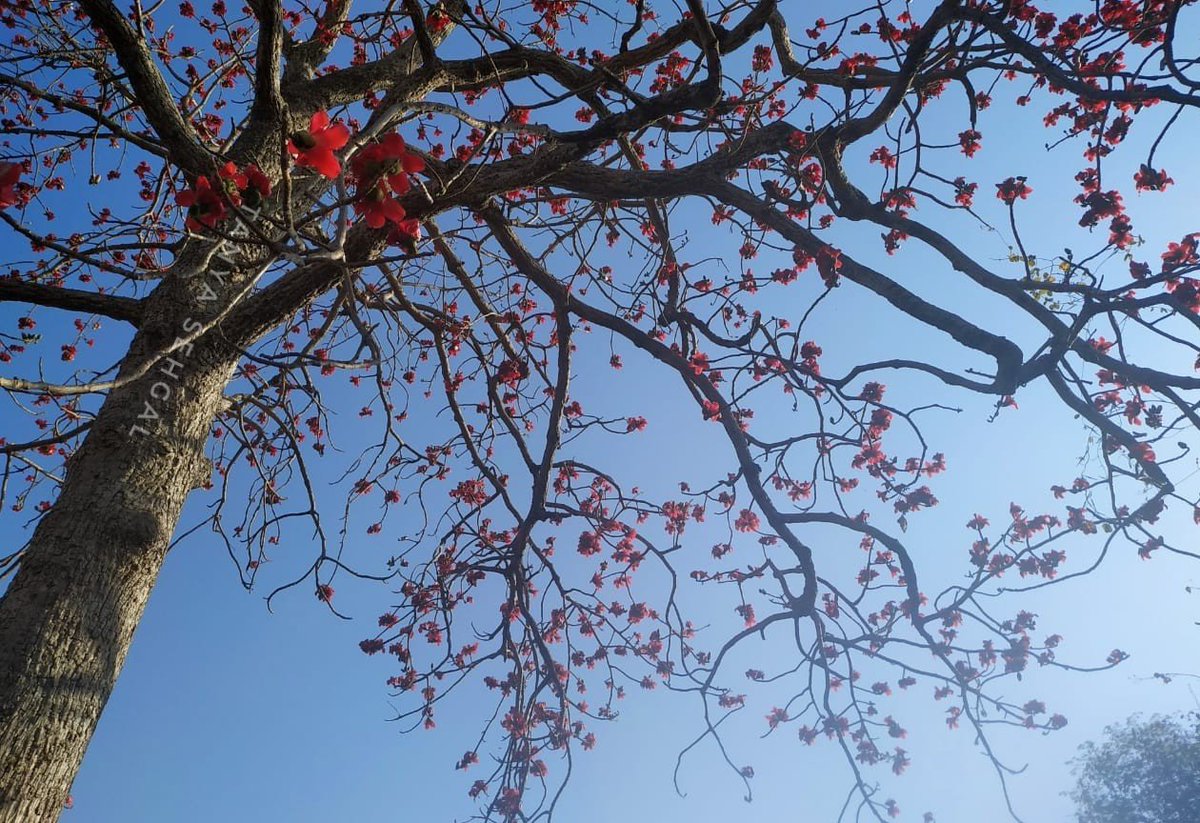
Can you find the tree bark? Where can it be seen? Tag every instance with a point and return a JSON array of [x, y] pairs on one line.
[[68, 618]]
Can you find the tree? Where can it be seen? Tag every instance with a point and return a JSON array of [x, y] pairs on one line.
[[1143, 770], [472, 211]]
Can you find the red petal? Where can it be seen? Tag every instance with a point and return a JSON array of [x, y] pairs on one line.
[[334, 137], [399, 183], [393, 144], [10, 174], [324, 162]]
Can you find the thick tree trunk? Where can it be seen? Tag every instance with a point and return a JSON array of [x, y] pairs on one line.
[[68, 618]]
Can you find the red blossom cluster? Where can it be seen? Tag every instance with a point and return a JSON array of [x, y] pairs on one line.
[[207, 206], [381, 171]]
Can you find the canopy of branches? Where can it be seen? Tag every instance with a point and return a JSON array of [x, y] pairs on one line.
[[412, 247]]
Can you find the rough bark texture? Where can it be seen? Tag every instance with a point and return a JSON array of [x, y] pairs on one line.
[[67, 621]]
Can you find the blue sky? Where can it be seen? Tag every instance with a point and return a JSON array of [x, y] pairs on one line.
[[227, 711]]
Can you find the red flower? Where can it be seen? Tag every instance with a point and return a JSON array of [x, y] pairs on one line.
[[511, 373], [325, 593], [381, 171], [883, 155], [763, 60], [372, 646], [746, 612], [405, 233], [315, 148], [1099, 205], [1142, 452], [258, 185], [1181, 254], [964, 192], [10, 175], [829, 263], [233, 181], [379, 208], [437, 21], [1151, 179], [205, 206], [873, 392], [969, 140], [747, 521], [389, 159], [1011, 189]]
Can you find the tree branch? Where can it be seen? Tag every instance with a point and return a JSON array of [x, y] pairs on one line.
[[127, 309], [153, 95]]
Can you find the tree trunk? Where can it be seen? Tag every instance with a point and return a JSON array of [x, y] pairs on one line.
[[69, 616]]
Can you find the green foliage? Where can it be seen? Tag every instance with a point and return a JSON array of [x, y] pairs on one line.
[[1145, 771]]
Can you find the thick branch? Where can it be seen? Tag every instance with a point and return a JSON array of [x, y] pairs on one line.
[[268, 100], [153, 95], [109, 305]]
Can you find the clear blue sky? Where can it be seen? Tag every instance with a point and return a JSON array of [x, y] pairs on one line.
[[228, 712]]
